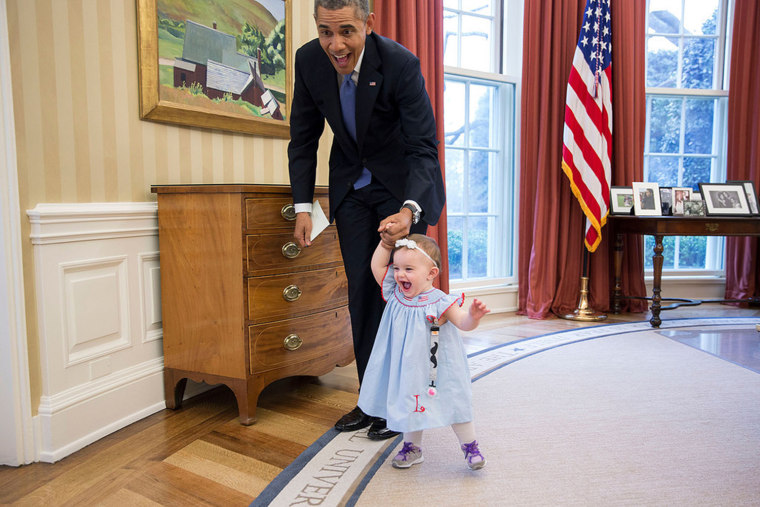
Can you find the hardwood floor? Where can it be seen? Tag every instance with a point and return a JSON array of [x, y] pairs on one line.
[[201, 455]]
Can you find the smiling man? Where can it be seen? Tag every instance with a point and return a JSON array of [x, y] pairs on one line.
[[383, 171]]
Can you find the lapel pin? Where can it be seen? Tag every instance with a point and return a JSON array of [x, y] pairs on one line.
[[372, 83]]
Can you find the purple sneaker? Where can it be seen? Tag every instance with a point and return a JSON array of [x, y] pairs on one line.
[[409, 455], [475, 460]]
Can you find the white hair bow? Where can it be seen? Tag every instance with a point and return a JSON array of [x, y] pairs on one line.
[[412, 245]]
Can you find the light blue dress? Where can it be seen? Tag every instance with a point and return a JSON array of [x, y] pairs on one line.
[[396, 380]]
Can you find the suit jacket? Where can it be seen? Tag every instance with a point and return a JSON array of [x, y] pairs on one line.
[[395, 127]]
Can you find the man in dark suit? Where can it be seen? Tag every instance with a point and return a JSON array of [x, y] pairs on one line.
[[384, 171]]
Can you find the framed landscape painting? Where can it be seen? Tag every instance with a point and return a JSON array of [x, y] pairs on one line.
[[218, 64]]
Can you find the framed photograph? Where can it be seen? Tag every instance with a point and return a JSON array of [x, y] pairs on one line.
[[666, 200], [694, 208], [680, 196], [727, 199], [217, 64], [621, 200], [749, 191], [646, 199]]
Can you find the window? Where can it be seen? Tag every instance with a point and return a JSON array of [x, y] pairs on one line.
[[687, 99], [479, 125]]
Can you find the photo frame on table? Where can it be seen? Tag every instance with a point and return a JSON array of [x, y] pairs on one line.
[[621, 200], [751, 193], [694, 208], [725, 199], [646, 199], [681, 195], [666, 200], [216, 64]]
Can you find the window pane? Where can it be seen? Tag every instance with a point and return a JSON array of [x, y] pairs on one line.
[[476, 43], [698, 63], [482, 111], [454, 105], [477, 247], [477, 6], [701, 16], [454, 237], [454, 180], [696, 171], [665, 16], [662, 62], [479, 182], [668, 251], [699, 126], [664, 125], [452, 4], [691, 252], [663, 170], [450, 38]]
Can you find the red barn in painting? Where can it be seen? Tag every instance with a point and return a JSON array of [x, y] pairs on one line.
[[210, 58]]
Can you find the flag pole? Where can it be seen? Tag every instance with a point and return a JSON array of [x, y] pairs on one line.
[[584, 312]]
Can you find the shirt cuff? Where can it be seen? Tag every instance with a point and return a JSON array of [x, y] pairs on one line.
[[303, 207]]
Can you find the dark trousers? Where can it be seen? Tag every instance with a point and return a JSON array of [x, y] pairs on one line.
[[357, 219]]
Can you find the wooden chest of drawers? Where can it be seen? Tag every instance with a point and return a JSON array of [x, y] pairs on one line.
[[243, 305]]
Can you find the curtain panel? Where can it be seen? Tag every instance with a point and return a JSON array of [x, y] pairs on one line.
[[418, 26], [743, 150], [551, 223]]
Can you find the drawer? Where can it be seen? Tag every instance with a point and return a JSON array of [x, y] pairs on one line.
[[289, 342], [279, 252], [292, 295], [268, 212]]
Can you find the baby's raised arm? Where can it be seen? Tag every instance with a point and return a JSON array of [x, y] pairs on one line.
[[380, 259], [467, 320]]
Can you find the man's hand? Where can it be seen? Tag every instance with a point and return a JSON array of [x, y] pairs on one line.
[[303, 229], [395, 226]]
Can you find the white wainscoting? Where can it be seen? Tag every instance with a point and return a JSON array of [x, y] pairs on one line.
[[99, 309]]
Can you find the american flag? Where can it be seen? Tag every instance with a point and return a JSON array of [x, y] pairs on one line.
[[587, 139]]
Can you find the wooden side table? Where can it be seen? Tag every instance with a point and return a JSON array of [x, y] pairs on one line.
[[660, 226]]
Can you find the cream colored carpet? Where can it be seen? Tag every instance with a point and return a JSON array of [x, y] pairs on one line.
[[628, 419]]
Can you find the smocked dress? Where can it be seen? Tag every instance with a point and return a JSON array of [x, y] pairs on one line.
[[395, 385]]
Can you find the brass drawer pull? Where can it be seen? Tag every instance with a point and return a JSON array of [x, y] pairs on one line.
[[290, 250], [292, 342], [291, 293], [288, 212]]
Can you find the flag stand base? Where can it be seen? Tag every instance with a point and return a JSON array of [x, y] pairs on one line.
[[583, 312]]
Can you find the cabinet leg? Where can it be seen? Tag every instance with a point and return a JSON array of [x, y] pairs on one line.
[[174, 390], [247, 396]]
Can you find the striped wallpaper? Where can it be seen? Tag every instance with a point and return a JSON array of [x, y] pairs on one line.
[[78, 131], [79, 137]]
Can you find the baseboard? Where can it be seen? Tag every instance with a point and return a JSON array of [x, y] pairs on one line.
[[73, 419]]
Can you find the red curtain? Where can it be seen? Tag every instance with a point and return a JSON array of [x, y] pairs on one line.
[[551, 221], [418, 26], [743, 152]]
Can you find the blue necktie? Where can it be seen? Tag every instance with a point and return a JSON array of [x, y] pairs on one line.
[[348, 108]]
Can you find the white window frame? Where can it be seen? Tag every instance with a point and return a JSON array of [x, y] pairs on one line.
[[715, 252], [507, 67]]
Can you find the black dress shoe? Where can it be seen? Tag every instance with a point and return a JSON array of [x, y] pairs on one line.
[[379, 430], [354, 420]]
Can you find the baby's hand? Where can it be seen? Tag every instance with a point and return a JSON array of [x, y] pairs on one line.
[[386, 237], [478, 309]]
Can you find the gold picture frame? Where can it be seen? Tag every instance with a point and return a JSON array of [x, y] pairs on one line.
[[210, 99]]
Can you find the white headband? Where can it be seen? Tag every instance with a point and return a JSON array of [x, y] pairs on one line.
[[412, 245]]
